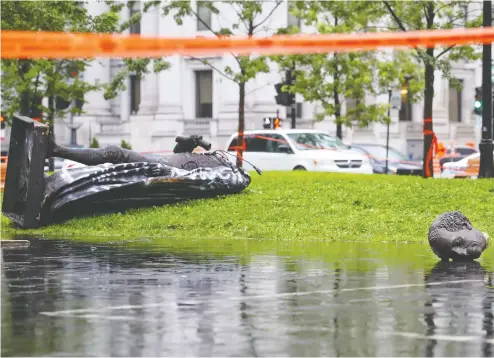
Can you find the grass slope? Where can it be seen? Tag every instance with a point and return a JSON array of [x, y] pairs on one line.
[[302, 206]]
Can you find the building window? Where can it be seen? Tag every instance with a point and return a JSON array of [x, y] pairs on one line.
[[204, 94], [135, 9], [204, 16], [135, 94], [255, 144], [292, 20], [455, 99]]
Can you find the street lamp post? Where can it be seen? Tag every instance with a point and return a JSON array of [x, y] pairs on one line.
[[486, 169], [387, 127]]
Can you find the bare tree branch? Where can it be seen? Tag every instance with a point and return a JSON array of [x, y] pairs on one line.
[[445, 50], [426, 14], [214, 68], [215, 33], [278, 3], [257, 89], [442, 7], [395, 17], [403, 28], [239, 14], [204, 23], [381, 28]]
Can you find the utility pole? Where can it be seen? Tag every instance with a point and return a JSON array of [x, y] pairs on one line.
[[486, 169]]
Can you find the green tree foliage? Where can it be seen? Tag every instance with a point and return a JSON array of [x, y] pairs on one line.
[[250, 20], [26, 82], [335, 78], [94, 143], [432, 15], [125, 145]]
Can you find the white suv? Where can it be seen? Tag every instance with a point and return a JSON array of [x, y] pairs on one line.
[[299, 149]]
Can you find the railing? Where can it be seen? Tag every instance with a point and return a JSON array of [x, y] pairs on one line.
[[201, 126]]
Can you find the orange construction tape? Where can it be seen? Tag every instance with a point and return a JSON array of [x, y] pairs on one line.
[[433, 148], [31, 44]]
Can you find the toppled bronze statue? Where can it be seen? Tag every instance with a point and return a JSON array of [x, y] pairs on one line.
[[452, 236], [115, 179]]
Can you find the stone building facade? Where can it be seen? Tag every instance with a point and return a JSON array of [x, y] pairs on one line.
[[192, 98]]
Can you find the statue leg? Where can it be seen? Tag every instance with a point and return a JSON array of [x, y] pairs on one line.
[[96, 156]]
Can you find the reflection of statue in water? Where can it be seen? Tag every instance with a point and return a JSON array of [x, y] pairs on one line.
[[454, 306], [452, 235]]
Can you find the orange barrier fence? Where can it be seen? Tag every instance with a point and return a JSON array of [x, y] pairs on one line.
[[31, 44], [3, 171]]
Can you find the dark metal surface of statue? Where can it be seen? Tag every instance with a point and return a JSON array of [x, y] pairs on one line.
[[452, 236], [115, 179]]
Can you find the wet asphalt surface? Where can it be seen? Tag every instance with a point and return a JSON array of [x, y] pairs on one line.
[[61, 298]]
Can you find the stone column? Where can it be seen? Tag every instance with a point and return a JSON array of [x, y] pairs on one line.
[[170, 89], [97, 72], [149, 84], [125, 95], [169, 81]]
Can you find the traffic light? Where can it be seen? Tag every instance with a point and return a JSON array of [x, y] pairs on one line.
[[266, 123], [276, 123], [283, 98], [61, 104], [2, 120], [477, 104], [271, 123]]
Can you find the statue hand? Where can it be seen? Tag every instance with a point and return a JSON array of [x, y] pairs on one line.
[[155, 170]]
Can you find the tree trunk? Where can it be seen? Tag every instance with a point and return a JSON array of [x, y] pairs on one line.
[[428, 129], [25, 109], [337, 113], [51, 120], [339, 131], [25, 105], [241, 124], [336, 95]]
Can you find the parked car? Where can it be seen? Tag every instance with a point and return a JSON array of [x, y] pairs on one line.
[[70, 164], [467, 167], [456, 154], [299, 149], [398, 162]]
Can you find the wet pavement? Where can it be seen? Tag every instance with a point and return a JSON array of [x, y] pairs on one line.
[[61, 298]]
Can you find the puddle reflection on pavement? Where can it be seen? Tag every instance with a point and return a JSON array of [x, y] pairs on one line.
[[349, 299]]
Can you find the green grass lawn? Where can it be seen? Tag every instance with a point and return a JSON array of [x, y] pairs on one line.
[[301, 206]]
